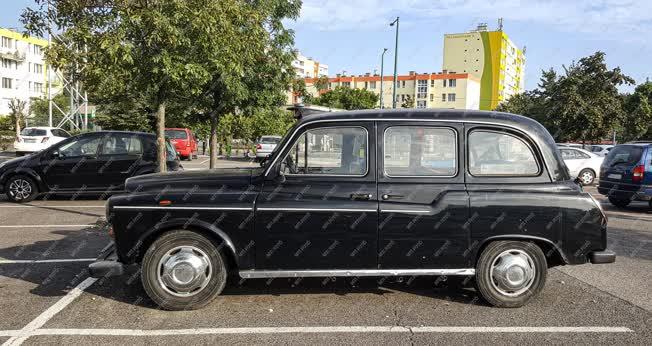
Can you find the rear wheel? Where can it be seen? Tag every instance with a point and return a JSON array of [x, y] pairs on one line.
[[587, 177], [620, 203], [183, 270], [510, 273], [21, 189]]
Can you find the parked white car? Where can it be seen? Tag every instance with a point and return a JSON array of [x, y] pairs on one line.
[[33, 139], [582, 163], [265, 146], [601, 149]]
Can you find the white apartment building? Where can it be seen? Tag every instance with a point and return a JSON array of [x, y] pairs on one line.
[[23, 72], [427, 90], [306, 67]]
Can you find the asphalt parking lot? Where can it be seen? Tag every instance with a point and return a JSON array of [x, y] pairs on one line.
[[47, 298]]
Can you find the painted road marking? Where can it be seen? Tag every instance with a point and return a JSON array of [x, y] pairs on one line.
[[46, 315], [24, 333], [44, 226], [50, 206], [60, 260]]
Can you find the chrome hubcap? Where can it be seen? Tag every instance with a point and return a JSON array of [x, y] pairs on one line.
[[512, 272], [20, 189], [184, 271], [587, 177]]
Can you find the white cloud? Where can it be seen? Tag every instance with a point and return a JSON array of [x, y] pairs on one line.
[[609, 17]]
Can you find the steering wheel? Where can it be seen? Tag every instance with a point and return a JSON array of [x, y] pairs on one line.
[[290, 164]]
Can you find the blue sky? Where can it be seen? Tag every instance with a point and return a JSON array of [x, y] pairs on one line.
[[349, 35]]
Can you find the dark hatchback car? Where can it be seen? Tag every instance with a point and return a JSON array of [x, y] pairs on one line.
[[365, 193], [626, 174], [89, 163]]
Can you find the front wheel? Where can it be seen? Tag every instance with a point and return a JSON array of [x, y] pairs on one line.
[[587, 177], [21, 189], [620, 203], [183, 270], [510, 273]]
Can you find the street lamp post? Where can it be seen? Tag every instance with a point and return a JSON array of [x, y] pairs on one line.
[[395, 61], [382, 69]]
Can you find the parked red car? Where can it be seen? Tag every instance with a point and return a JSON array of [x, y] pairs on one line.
[[184, 142]]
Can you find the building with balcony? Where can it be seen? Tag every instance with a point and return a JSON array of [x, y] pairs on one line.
[[446, 89], [23, 71], [490, 56], [306, 67]]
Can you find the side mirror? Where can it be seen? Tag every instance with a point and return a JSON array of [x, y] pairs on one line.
[[55, 154]]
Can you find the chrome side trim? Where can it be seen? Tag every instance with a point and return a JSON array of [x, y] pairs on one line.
[[144, 207], [405, 211], [256, 274], [533, 138], [345, 210]]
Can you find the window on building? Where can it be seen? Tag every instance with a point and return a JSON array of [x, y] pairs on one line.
[[443, 97], [37, 49], [421, 104], [432, 97], [451, 97], [38, 87], [372, 85], [444, 83], [6, 83], [38, 69], [419, 151], [493, 153], [452, 83], [402, 97], [432, 83], [422, 89], [398, 84], [403, 84], [329, 151], [346, 84], [7, 42], [366, 85]]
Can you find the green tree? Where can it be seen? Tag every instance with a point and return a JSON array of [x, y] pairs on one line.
[[17, 110], [347, 98], [638, 118], [39, 109], [582, 104], [321, 83], [160, 51]]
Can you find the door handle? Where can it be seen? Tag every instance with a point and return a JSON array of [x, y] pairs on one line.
[[386, 197], [361, 196]]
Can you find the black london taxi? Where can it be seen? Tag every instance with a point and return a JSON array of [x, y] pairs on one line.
[[365, 193], [88, 163]]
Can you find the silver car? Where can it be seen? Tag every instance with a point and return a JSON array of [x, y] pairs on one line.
[[265, 146]]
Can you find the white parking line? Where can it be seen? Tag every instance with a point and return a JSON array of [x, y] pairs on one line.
[[49, 206], [61, 260], [309, 330], [44, 317], [43, 226]]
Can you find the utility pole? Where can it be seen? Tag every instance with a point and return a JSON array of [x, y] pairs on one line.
[[49, 67], [382, 69], [395, 61]]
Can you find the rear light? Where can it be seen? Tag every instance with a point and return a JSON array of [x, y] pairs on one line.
[[45, 139], [258, 146], [638, 173]]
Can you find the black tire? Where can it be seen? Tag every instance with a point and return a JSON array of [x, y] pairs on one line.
[[160, 293], [620, 203], [488, 287], [587, 176], [16, 187]]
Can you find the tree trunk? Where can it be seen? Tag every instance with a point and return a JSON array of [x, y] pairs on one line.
[[160, 138], [17, 119], [213, 142]]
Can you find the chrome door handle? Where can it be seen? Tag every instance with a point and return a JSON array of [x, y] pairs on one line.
[[361, 196], [386, 197]]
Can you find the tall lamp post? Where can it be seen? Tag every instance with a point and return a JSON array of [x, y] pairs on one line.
[[395, 61], [382, 69]]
